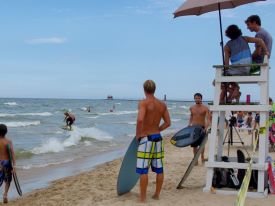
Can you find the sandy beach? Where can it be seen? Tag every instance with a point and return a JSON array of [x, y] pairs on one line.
[[98, 187]]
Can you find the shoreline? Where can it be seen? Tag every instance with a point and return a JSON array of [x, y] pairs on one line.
[[42, 177], [98, 186]]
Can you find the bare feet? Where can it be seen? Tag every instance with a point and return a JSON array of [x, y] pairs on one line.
[[141, 201], [155, 197], [204, 160], [5, 199]]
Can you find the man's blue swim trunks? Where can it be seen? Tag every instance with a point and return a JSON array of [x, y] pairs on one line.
[[150, 153]]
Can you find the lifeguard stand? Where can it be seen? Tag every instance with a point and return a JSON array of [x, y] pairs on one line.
[[218, 120]]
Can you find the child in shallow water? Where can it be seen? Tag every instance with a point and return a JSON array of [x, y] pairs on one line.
[[5, 164]]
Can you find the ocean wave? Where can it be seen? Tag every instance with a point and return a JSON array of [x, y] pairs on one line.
[[26, 114], [63, 110], [130, 123], [11, 103], [27, 167], [184, 107], [22, 124], [93, 133], [87, 143], [181, 113], [93, 117], [118, 113], [175, 120], [53, 145], [23, 154]]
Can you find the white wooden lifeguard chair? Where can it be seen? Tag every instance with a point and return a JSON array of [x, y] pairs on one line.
[[218, 119]]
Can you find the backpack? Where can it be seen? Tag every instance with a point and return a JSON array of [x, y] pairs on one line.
[[225, 177]]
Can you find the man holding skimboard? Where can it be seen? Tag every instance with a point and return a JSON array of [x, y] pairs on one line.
[[200, 115], [150, 150], [6, 168]]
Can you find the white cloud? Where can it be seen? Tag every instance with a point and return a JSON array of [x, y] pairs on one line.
[[47, 40]]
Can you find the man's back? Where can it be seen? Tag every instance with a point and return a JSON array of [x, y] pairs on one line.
[[3, 149], [266, 37], [154, 111], [72, 116]]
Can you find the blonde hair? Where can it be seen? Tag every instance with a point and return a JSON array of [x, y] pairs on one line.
[[149, 86]]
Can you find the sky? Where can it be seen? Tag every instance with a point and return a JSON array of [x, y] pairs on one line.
[[93, 48]]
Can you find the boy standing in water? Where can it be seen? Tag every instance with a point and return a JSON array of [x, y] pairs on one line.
[[69, 118], [5, 164], [150, 150], [199, 113]]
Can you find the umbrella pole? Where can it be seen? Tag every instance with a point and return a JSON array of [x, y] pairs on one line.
[[221, 44]]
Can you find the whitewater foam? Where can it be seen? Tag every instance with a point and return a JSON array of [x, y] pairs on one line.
[[11, 103], [84, 108], [175, 120], [26, 114], [93, 117], [119, 113], [54, 145], [50, 145], [184, 107], [21, 124], [93, 133], [132, 123]]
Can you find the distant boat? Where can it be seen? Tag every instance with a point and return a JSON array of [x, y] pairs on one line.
[[110, 97]]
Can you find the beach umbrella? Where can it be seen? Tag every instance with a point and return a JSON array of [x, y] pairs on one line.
[[198, 7]]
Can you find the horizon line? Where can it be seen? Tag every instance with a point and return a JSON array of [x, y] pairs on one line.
[[126, 99]]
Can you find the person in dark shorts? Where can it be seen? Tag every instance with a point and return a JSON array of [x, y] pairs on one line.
[[200, 115], [199, 141], [69, 118], [5, 164]]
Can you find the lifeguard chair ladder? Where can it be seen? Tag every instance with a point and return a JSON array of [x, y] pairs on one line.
[[216, 138]]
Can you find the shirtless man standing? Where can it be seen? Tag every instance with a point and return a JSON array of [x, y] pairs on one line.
[[150, 149], [199, 113]]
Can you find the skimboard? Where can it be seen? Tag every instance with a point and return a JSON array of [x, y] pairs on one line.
[[127, 177], [193, 162], [67, 128], [15, 179], [187, 136]]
